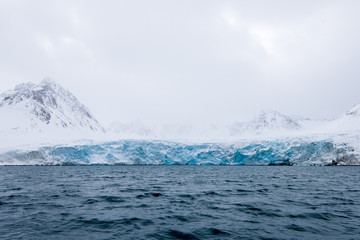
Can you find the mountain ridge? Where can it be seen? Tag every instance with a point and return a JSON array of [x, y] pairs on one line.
[[40, 107]]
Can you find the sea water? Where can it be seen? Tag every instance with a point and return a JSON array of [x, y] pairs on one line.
[[179, 202]]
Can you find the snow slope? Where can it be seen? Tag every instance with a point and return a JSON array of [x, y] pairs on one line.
[[266, 123], [135, 129], [173, 132], [348, 122], [45, 110]]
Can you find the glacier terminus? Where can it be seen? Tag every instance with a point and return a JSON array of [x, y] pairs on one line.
[[142, 152]]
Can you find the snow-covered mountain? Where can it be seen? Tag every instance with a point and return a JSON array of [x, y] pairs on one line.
[[268, 122], [353, 113], [135, 129], [348, 122], [44, 107], [138, 130], [265, 122], [33, 116]]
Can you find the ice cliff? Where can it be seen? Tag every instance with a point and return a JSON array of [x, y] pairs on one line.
[[284, 152]]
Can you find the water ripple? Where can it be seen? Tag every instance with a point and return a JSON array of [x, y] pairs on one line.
[[179, 202]]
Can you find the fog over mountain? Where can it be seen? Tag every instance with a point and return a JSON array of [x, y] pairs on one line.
[[47, 108], [187, 62], [179, 119], [129, 75], [45, 124]]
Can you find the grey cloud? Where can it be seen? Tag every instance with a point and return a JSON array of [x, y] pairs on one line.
[[181, 61]]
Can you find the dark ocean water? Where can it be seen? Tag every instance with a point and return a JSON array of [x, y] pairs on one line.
[[179, 202]]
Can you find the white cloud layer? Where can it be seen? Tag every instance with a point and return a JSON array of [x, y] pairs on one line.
[[187, 61]]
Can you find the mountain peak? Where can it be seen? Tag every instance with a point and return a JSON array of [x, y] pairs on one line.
[[273, 119], [268, 111], [24, 86], [45, 83], [354, 111], [267, 120], [47, 103], [48, 82]]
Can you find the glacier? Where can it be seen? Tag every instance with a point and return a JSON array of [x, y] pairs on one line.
[[45, 124], [303, 152]]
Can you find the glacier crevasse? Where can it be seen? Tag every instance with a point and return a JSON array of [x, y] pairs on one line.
[[134, 152]]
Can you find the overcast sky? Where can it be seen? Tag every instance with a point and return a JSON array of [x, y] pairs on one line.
[[187, 61]]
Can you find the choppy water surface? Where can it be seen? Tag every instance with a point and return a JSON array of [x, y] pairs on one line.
[[179, 202]]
